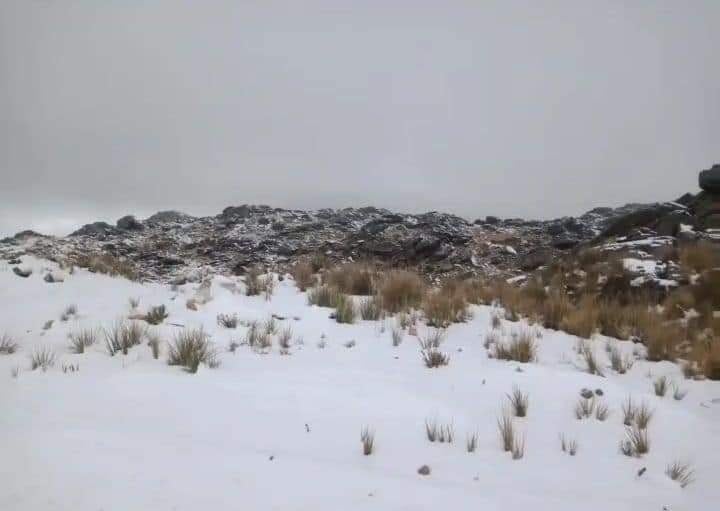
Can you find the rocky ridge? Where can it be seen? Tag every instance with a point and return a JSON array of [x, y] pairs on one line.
[[171, 246]]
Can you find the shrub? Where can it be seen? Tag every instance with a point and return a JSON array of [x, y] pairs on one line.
[[304, 275], [123, 335], [351, 278], [345, 311], [445, 305], [496, 321], [256, 283], [643, 415], [227, 320], [661, 386], [401, 290], [367, 437], [507, 432], [397, 336], [636, 442], [521, 347], [8, 346], [661, 340], [518, 402], [584, 408], [441, 433], [42, 357], [371, 308], [323, 296], [680, 472], [189, 349], [70, 311], [156, 315], [82, 339]]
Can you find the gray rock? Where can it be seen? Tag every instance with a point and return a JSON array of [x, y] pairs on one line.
[[535, 259], [22, 272], [424, 470], [587, 393], [129, 223], [96, 229], [710, 179]]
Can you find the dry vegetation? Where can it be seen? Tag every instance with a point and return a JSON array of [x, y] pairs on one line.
[[82, 339], [107, 264], [8, 346], [438, 432], [190, 348], [42, 357], [123, 335]]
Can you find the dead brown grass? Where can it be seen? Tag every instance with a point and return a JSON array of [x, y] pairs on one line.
[[401, 290], [107, 264], [699, 257], [446, 305], [303, 275], [351, 278]]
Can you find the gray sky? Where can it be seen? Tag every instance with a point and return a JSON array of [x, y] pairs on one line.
[[535, 108]]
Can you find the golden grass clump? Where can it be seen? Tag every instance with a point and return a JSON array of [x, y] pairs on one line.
[[401, 290], [304, 275], [446, 305], [351, 278]]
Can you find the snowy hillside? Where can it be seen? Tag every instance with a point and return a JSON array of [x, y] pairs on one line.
[[266, 430]]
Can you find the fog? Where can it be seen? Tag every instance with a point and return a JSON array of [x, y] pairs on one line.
[[533, 109]]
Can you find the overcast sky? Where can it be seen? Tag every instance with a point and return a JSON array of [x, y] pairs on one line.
[[534, 109]]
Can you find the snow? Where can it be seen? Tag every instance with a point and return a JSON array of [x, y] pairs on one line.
[[132, 433]]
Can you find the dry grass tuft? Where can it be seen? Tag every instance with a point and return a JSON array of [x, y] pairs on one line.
[[371, 308], [227, 320], [442, 433], [108, 264], [154, 343], [496, 321], [699, 257], [432, 340], [401, 290], [69, 312], [602, 412], [367, 437], [434, 358], [256, 283], [397, 336], [284, 339], [619, 363], [123, 335], [679, 393], [661, 386], [680, 472], [304, 275], [471, 442], [190, 348], [519, 402], [521, 348], [636, 442], [507, 432], [351, 278], [156, 315], [589, 355], [345, 311], [323, 296], [82, 339], [446, 305], [42, 357], [584, 408], [518, 449], [568, 446], [8, 346]]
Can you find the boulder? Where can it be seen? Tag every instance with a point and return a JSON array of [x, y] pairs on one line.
[[169, 216], [535, 259], [644, 217], [669, 225], [95, 229], [22, 272], [710, 179], [129, 223]]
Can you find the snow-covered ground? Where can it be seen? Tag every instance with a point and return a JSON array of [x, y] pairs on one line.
[[282, 432]]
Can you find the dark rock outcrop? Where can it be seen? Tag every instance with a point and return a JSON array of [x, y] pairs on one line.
[[709, 179]]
